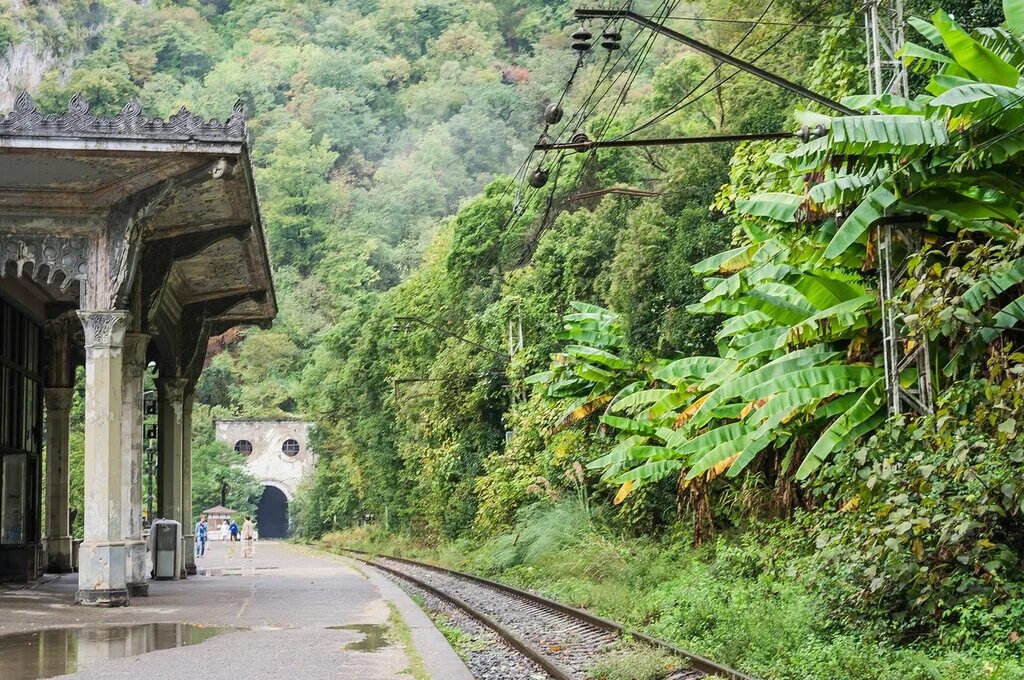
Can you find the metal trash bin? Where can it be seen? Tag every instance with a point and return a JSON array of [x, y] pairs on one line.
[[165, 544]]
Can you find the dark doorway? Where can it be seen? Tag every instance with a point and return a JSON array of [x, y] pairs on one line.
[[272, 513]]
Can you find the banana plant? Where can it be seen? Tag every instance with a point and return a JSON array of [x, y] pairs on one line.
[[799, 367], [590, 370]]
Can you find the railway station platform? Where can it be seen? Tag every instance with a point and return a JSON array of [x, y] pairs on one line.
[[290, 612]]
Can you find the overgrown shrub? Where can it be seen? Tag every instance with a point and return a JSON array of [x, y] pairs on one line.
[[924, 524]]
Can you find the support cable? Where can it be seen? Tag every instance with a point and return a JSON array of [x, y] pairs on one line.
[[689, 99]]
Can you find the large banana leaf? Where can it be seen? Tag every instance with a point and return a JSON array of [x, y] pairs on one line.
[[875, 135], [839, 432], [994, 283], [776, 206], [870, 211], [651, 471], [728, 261], [597, 355], [688, 368], [742, 383], [975, 58]]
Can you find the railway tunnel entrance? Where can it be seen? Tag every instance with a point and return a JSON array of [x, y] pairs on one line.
[[272, 513]]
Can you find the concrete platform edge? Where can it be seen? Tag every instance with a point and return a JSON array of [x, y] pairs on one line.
[[441, 661]]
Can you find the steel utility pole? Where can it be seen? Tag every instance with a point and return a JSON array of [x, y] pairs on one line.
[[897, 240]]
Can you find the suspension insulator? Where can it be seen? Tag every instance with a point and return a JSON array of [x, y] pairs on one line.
[[581, 40], [612, 34], [539, 178], [610, 44], [553, 113]]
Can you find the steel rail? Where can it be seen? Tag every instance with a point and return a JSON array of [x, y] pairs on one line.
[[697, 662], [522, 646]]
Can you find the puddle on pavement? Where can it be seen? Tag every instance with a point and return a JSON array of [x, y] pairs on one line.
[[49, 653], [374, 636]]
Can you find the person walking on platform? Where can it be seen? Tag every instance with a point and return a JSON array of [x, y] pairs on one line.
[[247, 531], [201, 530], [234, 530], [225, 531]]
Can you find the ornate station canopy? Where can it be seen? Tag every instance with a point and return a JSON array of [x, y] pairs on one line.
[[160, 217], [124, 240]]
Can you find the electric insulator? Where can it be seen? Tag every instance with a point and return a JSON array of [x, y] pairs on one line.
[[579, 138], [610, 44], [581, 40], [611, 39], [539, 178], [553, 113]]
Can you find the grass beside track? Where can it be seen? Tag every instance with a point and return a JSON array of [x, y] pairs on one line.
[[714, 601]]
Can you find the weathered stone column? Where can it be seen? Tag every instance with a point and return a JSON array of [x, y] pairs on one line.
[[58, 525], [187, 524], [131, 442], [101, 562], [170, 395]]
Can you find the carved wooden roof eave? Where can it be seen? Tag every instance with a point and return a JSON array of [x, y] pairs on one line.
[[259, 233], [25, 126], [79, 130]]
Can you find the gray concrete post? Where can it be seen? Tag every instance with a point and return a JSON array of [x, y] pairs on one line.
[[131, 441], [170, 399], [102, 559], [58, 525], [187, 525]]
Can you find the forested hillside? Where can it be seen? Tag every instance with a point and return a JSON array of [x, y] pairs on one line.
[[664, 403]]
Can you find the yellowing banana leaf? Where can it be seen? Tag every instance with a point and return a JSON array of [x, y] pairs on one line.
[[580, 412], [623, 492]]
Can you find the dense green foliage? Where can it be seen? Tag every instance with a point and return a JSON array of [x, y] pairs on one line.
[[712, 350], [751, 600]]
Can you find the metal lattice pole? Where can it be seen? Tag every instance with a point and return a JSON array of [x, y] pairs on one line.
[[883, 22], [902, 349]]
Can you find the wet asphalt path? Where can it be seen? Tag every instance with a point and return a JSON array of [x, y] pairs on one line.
[[289, 600]]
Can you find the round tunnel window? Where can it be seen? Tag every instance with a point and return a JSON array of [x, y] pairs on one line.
[[243, 446], [290, 447]]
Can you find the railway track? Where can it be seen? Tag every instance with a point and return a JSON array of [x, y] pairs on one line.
[[562, 640]]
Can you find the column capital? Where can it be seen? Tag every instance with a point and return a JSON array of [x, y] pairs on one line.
[[58, 398], [105, 328], [171, 389], [56, 327], [134, 356]]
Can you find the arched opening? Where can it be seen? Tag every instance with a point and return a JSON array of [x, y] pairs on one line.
[[272, 513]]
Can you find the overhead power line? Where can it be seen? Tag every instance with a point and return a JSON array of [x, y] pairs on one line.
[[664, 141], [587, 13], [691, 98], [760, 22]]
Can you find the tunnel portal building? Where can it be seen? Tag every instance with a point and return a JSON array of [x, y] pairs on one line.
[[278, 455]]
